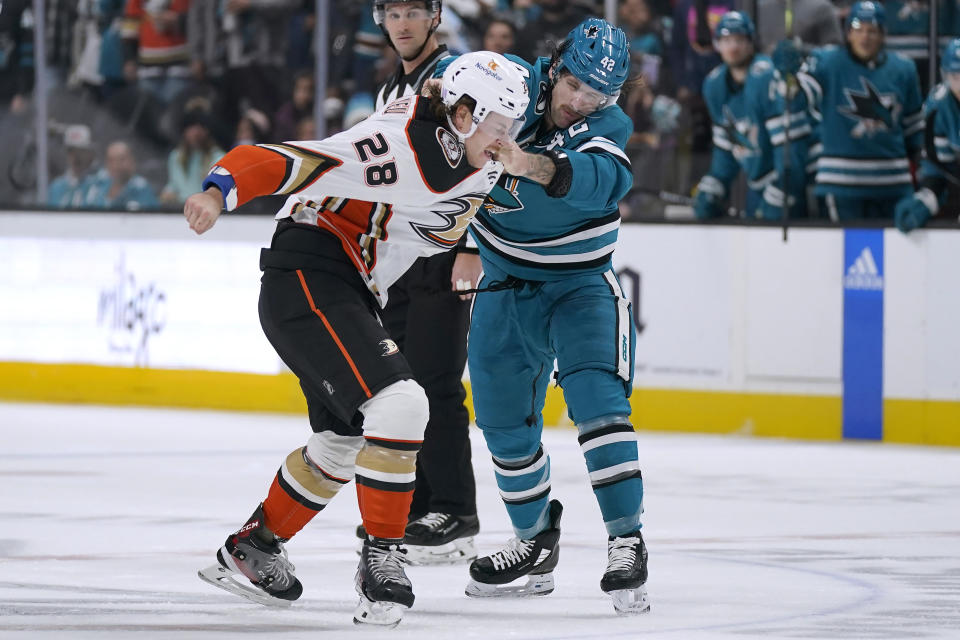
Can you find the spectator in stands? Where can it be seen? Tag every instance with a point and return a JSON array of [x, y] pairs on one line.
[[299, 106], [500, 36], [256, 48], [358, 108], [117, 185], [187, 165], [538, 37], [306, 128], [69, 190], [156, 40], [815, 22], [253, 128], [691, 58], [205, 39], [643, 29]]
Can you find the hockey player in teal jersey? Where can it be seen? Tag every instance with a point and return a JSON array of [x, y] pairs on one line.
[[546, 236], [908, 28], [870, 112], [736, 143], [795, 167], [943, 117]]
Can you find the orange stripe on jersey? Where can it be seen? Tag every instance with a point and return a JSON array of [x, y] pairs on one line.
[[260, 170], [282, 514], [350, 247], [256, 171], [384, 512], [356, 215], [333, 334]]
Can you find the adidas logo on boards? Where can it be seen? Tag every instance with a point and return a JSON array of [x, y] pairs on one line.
[[863, 273]]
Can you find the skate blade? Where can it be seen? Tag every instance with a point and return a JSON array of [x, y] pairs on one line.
[[536, 585], [630, 602], [220, 576], [382, 614], [456, 551]]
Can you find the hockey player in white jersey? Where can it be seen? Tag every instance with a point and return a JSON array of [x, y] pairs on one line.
[[363, 205], [429, 324]]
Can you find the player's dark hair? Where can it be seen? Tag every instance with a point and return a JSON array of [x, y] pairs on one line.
[[439, 110]]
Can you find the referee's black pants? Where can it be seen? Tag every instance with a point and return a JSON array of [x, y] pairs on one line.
[[429, 323]]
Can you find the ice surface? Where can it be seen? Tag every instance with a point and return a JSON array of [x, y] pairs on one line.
[[107, 513]]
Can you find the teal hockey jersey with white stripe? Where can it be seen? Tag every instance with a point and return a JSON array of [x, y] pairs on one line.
[[735, 129], [908, 26], [943, 115], [870, 119], [529, 235], [777, 118]]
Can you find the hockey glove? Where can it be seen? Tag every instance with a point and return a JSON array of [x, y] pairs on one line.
[[787, 58], [708, 202], [913, 211]]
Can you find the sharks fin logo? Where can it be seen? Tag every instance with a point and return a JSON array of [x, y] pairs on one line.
[[504, 197]]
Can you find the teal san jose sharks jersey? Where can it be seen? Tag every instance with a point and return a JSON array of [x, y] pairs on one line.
[[765, 94], [871, 121], [908, 26], [943, 114], [526, 233], [735, 128]]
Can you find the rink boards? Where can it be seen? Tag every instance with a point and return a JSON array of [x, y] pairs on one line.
[[833, 334]]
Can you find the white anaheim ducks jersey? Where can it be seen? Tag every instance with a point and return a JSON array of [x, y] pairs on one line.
[[393, 188]]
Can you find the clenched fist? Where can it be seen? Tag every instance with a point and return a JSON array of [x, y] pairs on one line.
[[202, 209]]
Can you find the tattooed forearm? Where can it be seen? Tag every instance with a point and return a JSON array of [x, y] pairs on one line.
[[541, 169]]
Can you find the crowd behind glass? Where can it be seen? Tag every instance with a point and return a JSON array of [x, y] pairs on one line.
[[144, 95]]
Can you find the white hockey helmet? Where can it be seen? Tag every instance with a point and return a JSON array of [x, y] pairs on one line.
[[495, 83]]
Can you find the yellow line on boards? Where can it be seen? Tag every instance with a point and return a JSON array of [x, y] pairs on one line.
[[752, 414]]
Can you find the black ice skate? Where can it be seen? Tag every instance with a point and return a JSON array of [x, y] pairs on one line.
[[626, 575], [441, 538], [534, 559], [385, 591], [264, 564]]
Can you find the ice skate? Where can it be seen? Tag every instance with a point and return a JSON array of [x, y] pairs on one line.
[[626, 575], [384, 589], [264, 564], [441, 538], [534, 559]]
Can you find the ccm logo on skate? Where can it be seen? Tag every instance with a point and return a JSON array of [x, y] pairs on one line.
[[248, 527], [389, 347]]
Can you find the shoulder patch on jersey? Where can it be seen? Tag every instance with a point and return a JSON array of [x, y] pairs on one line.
[[718, 71], [430, 152], [400, 105], [452, 149]]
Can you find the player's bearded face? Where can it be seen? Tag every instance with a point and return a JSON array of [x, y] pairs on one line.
[[865, 40], [735, 50], [409, 26], [572, 100]]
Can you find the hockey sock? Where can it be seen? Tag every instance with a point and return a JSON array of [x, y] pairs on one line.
[[300, 490], [386, 475]]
